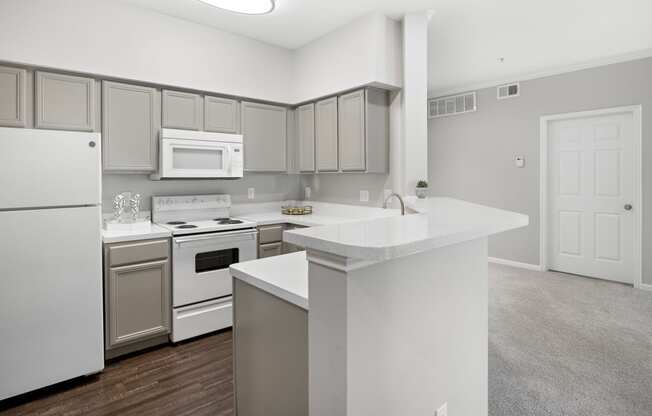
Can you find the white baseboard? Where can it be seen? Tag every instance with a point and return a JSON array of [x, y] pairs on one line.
[[645, 286], [518, 264]]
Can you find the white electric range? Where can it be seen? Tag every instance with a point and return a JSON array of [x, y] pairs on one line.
[[205, 242]]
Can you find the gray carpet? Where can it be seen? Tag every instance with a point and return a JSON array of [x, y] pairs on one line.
[[567, 345]]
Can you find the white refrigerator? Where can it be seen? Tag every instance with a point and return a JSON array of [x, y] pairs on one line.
[[51, 323]]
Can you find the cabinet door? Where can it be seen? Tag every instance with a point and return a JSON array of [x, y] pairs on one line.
[[221, 115], [64, 102], [13, 97], [326, 135], [139, 302], [306, 135], [351, 128], [182, 110], [377, 130], [264, 133], [129, 127]]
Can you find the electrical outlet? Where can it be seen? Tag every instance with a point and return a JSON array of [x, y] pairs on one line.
[[443, 410], [307, 192], [364, 196], [519, 161], [251, 193]]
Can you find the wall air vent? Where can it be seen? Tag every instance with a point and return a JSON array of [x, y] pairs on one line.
[[451, 105], [508, 91]]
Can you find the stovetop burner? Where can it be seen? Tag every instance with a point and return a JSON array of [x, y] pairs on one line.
[[184, 226], [175, 223], [229, 221]]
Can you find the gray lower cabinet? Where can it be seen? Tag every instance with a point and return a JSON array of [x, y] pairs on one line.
[[326, 135], [64, 102], [270, 240], [137, 295], [351, 131], [182, 110], [305, 121], [130, 125], [221, 115], [270, 353], [13, 97], [264, 130]]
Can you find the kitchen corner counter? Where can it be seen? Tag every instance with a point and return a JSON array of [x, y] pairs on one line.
[[284, 276], [440, 222], [141, 233]]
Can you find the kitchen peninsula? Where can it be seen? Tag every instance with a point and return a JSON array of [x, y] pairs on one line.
[[389, 315]]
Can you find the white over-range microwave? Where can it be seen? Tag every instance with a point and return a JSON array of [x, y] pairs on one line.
[[185, 154]]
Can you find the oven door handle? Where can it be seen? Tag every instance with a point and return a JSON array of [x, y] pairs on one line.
[[216, 237]]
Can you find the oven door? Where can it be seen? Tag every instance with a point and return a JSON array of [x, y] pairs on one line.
[[200, 264], [195, 159]]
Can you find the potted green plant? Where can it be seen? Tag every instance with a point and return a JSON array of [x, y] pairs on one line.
[[422, 189]]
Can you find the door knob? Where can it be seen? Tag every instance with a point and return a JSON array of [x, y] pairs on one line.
[[628, 207]]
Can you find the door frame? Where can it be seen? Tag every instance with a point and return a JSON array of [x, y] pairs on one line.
[[544, 121]]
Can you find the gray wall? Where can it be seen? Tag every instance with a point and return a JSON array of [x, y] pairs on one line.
[[269, 187], [344, 188], [471, 155]]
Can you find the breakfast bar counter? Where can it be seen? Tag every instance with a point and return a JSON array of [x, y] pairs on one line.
[[398, 313]]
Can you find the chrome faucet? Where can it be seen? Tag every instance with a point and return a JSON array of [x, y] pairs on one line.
[[399, 200]]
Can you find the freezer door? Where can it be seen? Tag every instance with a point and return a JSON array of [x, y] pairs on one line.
[[50, 297], [47, 168]]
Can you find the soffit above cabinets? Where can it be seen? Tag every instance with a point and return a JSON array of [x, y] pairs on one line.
[[292, 24]]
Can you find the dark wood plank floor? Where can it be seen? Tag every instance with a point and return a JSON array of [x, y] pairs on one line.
[[192, 378]]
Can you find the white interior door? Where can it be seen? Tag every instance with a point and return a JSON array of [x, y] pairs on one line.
[[591, 203]]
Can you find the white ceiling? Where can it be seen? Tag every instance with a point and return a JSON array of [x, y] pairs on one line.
[[466, 37]]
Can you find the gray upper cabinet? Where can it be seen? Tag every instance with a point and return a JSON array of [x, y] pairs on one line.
[[221, 115], [351, 128], [129, 127], [305, 116], [13, 97], [182, 110], [264, 129], [326, 135], [64, 102], [376, 115]]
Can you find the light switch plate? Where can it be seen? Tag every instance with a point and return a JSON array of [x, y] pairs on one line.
[[307, 192], [519, 161], [364, 196], [251, 193]]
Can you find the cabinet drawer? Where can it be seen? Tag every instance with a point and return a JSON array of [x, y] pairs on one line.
[[189, 321], [269, 250], [270, 234], [137, 252]]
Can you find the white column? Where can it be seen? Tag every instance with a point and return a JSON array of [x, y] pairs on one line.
[[415, 99]]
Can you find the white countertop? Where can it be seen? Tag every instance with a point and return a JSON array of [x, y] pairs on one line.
[[324, 213], [140, 233], [284, 276], [441, 222]]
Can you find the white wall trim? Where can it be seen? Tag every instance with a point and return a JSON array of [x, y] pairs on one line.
[[636, 111], [644, 286], [517, 264], [525, 76]]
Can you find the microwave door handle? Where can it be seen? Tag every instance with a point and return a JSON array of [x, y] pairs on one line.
[[227, 161]]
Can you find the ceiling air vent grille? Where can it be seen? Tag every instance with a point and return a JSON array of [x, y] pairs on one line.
[[451, 105], [508, 91]]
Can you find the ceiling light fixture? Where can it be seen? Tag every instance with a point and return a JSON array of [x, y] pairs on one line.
[[244, 6]]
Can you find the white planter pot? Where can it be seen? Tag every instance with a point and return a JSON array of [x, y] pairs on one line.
[[422, 193]]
